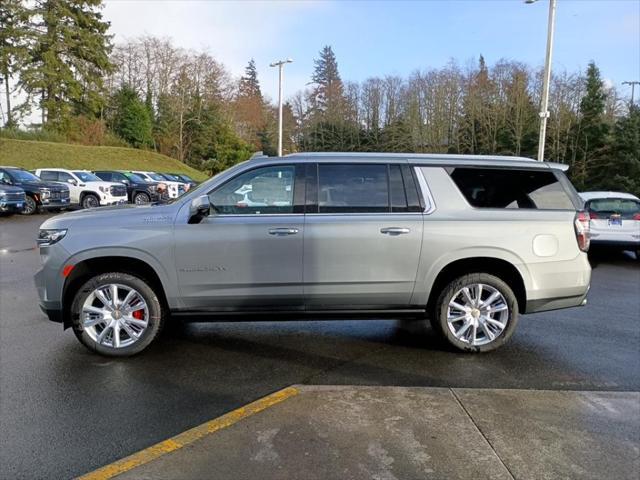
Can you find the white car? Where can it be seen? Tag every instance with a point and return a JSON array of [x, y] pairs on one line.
[[615, 219], [85, 188], [174, 189]]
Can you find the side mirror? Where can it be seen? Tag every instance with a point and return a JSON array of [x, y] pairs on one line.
[[126, 182], [72, 181], [199, 209]]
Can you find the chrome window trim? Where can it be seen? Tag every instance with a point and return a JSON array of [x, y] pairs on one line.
[[426, 193]]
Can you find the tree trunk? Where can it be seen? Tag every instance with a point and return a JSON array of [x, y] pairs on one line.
[[9, 122]]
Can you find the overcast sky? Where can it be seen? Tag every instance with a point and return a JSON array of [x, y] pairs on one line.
[[377, 37]]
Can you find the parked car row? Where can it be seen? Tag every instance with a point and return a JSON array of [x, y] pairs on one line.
[[27, 192]]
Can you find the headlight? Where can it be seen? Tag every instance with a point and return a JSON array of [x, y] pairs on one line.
[[45, 192], [51, 236]]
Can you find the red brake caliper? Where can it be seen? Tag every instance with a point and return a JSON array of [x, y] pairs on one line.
[[138, 314]]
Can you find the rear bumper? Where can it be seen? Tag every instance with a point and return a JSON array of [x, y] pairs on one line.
[[623, 244], [556, 285]]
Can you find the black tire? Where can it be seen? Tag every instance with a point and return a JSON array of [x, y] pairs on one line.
[[90, 201], [30, 206], [155, 321], [141, 198], [440, 312]]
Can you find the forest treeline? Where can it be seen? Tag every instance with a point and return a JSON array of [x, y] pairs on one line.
[[58, 58]]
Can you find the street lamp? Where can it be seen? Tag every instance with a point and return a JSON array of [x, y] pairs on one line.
[[544, 112], [280, 64]]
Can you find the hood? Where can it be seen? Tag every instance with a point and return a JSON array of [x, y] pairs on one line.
[[42, 184], [119, 216], [10, 189]]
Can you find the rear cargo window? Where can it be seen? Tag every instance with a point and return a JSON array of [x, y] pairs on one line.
[[605, 207], [513, 189]]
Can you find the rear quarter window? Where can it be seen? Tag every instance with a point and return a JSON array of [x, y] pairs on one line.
[[513, 189]]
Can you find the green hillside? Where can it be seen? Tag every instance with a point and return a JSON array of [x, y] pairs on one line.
[[32, 154]]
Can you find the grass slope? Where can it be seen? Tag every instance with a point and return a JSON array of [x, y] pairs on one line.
[[32, 154]]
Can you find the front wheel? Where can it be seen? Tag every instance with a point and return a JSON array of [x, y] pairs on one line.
[[116, 314], [30, 206], [90, 201], [476, 312], [141, 198]]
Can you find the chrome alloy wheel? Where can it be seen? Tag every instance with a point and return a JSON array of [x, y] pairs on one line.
[[115, 315], [477, 314]]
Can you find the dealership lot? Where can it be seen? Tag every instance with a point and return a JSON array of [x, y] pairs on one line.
[[64, 411]]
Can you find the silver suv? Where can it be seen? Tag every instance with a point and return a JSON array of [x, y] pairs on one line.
[[468, 242]]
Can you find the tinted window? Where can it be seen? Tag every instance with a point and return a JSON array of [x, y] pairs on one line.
[[131, 176], [605, 207], [508, 188], [266, 190], [48, 175], [396, 186], [64, 176], [353, 188], [106, 176]]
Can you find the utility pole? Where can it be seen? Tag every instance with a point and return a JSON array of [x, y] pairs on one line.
[[633, 85], [544, 112], [280, 64]]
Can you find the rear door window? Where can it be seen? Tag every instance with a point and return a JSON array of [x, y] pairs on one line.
[[512, 189], [48, 175], [354, 188]]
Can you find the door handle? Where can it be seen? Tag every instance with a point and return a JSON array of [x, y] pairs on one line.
[[394, 230], [283, 231]]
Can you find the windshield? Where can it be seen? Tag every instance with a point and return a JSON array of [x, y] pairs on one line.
[[186, 177], [23, 176], [171, 177], [87, 176], [134, 177], [156, 176]]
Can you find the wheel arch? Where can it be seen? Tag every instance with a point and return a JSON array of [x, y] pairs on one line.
[[85, 268], [498, 267]]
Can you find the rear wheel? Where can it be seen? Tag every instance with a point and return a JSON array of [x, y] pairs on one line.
[[116, 314], [476, 312], [30, 206], [90, 201], [141, 198]]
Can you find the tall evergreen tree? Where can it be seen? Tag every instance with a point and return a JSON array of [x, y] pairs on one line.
[[328, 94], [249, 85], [592, 133], [14, 34], [132, 121], [625, 176], [250, 109], [68, 59]]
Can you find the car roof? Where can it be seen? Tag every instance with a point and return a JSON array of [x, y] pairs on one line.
[[602, 195], [433, 159]]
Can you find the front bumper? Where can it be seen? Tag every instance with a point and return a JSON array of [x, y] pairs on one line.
[[11, 206], [54, 203], [106, 200]]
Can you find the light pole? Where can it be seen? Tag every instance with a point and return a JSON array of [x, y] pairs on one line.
[[633, 85], [544, 112], [280, 64]]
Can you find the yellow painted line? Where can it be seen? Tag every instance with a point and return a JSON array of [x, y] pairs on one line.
[[175, 443]]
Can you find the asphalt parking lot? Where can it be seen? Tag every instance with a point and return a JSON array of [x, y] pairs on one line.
[[65, 411]]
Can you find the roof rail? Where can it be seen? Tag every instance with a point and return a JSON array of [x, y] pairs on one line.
[[258, 155]]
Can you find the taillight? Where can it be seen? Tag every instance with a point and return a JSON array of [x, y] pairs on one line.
[[636, 216], [581, 224], [593, 215]]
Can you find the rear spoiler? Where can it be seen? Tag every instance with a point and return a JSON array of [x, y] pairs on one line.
[[558, 166]]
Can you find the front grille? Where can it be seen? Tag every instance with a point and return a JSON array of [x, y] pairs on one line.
[[59, 194], [13, 196], [118, 190]]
